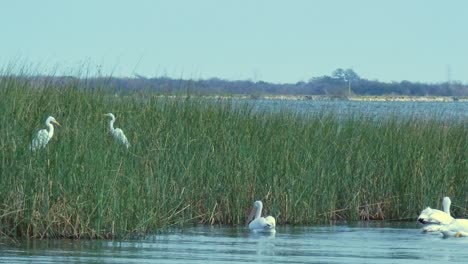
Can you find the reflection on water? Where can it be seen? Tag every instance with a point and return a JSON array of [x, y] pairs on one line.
[[359, 243]]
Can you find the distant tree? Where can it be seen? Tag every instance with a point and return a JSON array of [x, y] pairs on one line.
[[339, 74], [350, 76], [347, 76]]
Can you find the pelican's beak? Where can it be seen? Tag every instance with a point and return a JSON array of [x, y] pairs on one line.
[[251, 215]]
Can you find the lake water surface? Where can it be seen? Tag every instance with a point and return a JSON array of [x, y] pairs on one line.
[[442, 110], [356, 243]]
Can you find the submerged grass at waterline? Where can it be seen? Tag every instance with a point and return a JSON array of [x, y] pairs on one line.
[[205, 161]]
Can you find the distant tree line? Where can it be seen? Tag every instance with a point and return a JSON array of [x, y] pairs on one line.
[[342, 82]]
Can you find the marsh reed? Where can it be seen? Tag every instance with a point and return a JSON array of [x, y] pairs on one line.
[[203, 161]]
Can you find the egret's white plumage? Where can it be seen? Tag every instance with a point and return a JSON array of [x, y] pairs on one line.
[[117, 133], [259, 223], [433, 219], [43, 136]]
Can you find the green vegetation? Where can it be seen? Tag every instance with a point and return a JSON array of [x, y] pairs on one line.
[[194, 160]]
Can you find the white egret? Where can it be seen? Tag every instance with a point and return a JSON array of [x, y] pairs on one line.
[[259, 223], [433, 219], [117, 133], [43, 136]]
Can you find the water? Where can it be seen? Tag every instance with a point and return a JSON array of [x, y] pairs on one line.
[[358, 243], [442, 110]]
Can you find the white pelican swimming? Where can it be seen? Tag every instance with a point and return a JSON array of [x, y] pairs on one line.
[[117, 133], [259, 223], [433, 219], [43, 136], [456, 228]]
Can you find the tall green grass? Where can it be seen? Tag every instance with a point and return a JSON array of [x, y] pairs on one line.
[[203, 161]]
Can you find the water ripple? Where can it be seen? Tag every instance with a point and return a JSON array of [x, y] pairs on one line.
[[329, 244]]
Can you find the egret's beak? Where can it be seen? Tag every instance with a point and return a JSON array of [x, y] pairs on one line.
[[56, 122], [251, 215]]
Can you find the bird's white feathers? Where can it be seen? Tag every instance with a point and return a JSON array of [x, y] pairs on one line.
[[117, 133], [259, 223], [441, 221], [43, 136], [433, 219], [457, 227]]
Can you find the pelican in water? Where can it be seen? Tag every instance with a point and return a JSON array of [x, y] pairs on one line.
[[434, 219], [259, 223], [456, 228], [43, 136], [117, 133]]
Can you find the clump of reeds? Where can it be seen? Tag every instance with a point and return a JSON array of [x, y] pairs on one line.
[[194, 160]]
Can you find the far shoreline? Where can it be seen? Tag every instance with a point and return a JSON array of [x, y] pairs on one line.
[[356, 98]]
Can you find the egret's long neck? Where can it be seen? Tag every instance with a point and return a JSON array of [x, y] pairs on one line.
[[446, 204], [51, 129], [258, 212], [111, 124]]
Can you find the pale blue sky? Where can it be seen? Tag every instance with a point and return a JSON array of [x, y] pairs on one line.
[[275, 41]]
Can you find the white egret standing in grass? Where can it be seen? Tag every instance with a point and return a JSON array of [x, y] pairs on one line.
[[259, 223], [43, 136], [117, 133], [434, 219]]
